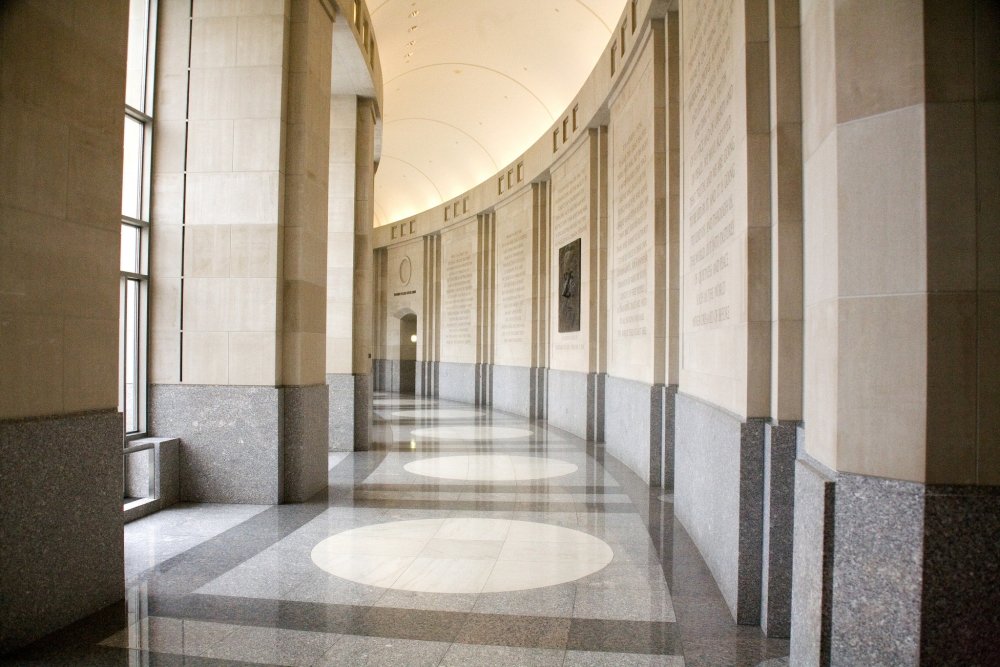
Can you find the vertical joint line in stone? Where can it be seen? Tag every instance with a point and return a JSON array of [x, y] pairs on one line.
[[187, 126]]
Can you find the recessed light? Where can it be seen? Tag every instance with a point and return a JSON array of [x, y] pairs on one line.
[[412, 28], [414, 13]]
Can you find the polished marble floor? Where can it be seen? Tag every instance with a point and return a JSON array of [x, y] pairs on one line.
[[464, 537]]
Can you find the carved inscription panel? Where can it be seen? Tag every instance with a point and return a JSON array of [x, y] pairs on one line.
[[458, 294], [710, 183], [633, 219], [632, 225], [570, 221], [714, 331], [513, 282]]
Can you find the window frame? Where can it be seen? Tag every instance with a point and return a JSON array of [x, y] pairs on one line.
[[138, 274]]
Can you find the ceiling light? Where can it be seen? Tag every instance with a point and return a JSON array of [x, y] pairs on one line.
[[414, 13], [412, 28]]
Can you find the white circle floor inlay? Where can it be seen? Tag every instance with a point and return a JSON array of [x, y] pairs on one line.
[[434, 413], [462, 555], [490, 467], [471, 432]]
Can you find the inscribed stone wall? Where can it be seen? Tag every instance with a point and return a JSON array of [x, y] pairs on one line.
[[459, 284], [513, 282], [714, 203], [632, 229], [571, 187], [404, 294]]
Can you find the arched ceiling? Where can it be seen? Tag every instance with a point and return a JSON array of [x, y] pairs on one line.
[[470, 84]]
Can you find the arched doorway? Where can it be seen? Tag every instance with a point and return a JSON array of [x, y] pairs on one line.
[[408, 354]]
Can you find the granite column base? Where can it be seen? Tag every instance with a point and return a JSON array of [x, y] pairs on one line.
[[812, 564], [62, 544], [484, 384], [245, 444], [916, 573], [595, 406], [362, 411], [779, 504], [427, 378], [341, 417], [894, 572], [538, 392]]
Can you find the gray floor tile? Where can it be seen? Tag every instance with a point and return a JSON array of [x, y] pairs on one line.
[[463, 655], [383, 652]]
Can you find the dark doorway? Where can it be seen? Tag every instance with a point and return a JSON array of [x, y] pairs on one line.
[[408, 354]]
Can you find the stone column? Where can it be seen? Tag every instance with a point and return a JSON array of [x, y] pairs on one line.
[[61, 115], [725, 315], [238, 344], [340, 272], [786, 314], [364, 205], [900, 110]]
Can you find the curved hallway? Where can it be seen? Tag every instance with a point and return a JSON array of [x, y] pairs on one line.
[[492, 540]]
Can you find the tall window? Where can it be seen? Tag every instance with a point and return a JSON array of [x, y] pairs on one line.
[[135, 215]]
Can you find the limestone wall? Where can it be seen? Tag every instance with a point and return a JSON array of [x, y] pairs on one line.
[[514, 267], [459, 286], [572, 187], [636, 234]]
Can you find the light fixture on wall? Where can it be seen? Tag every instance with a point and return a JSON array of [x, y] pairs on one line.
[[413, 338]]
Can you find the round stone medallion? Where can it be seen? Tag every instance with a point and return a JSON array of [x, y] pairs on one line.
[[490, 467], [462, 555], [471, 433]]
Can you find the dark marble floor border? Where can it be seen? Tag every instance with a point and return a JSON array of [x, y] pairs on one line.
[[492, 488], [489, 506], [204, 562], [648, 637]]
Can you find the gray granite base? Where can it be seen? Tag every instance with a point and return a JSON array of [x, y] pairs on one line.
[[634, 426], [877, 556], [669, 435], [512, 389], [457, 382], [61, 525], [567, 401], [779, 505], [305, 441], [245, 444], [163, 463], [484, 384], [362, 411], [390, 375], [378, 383], [349, 413], [889, 572], [341, 415], [595, 406], [427, 378], [718, 497], [960, 608], [812, 564], [539, 392], [230, 444]]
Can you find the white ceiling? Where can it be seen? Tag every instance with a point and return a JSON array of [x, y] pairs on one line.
[[470, 84]]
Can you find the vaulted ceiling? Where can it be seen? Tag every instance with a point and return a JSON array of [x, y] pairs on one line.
[[470, 84]]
